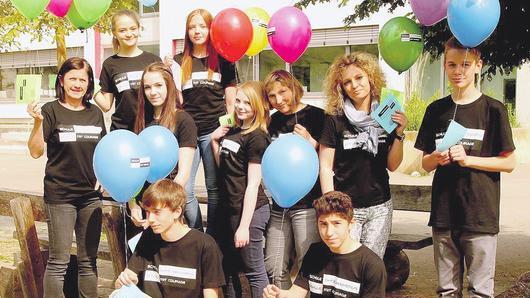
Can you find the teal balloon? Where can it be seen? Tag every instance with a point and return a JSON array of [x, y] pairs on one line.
[[92, 10], [30, 8], [400, 43], [77, 20]]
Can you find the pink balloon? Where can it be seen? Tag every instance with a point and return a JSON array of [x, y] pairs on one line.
[[59, 7], [429, 12], [289, 32]]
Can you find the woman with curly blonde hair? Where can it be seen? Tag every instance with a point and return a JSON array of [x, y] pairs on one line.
[[354, 145]]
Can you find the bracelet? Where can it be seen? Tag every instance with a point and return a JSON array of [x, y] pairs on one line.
[[401, 138]]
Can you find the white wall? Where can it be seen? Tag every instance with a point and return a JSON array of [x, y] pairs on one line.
[[522, 94]]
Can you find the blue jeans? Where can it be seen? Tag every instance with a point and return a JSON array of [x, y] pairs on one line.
[[85, 218], [193, 212], [248, 259], [289, 231]]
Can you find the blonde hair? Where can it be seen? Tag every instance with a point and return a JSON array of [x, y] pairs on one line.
[[453, 43], [124, 12], [255, 93], [165, 193], [333, 81], [287, 80]]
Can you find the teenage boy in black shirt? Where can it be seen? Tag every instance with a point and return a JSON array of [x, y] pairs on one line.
[[340, 266], [466, 186], [172, 260]]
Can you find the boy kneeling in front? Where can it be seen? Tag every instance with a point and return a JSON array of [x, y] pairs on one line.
[[172, 260], [340, 266]]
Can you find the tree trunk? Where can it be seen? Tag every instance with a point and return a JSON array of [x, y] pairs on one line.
[[61, 46]]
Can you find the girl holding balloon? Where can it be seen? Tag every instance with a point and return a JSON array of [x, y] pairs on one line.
[[355, 151], [207, 85], [70, 128], [158, 105], [121, 72], [299, 230], [238, 152]]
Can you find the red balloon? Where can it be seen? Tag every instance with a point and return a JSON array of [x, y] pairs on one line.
[[231, 33]]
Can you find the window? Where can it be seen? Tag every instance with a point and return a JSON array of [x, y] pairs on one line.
[[8, 78], [149, 10], [509, 91], [311, 68]]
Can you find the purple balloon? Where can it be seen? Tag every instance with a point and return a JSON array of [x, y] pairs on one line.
[[429, 12], [289, 32], [59, 7]]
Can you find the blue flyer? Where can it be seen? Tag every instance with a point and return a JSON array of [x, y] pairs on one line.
[[455, 132], [383, 113]]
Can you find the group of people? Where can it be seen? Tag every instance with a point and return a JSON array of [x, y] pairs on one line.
[[332, 241]]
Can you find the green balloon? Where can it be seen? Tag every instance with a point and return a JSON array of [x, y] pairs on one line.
[[400, 43], [92, 10], [77, 20], [30, 8]]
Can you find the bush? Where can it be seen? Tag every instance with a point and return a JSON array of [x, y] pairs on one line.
[[512, 117], [415, 109]]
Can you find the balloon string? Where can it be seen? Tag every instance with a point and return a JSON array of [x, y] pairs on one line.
[[460, 89], [294, 94], [248, 66], [278, 250], [124, 213]]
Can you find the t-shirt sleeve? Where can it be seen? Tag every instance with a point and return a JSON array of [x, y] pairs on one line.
[[212, 265], [186, 131], [426, 138], [329, 133], [504, 131], [228, 73], [105, 80], [374, 282], [256, 145], [48, 122], [317, 123]]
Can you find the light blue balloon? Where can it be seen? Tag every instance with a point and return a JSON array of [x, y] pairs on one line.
[[148, 3], [121, 164], [131, 291], [290, 169], [472, 21], [163, 148]]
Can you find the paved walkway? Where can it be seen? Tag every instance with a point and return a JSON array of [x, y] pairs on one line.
[[22, 173]]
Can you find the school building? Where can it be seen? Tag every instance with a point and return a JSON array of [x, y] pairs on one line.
[[163, 33]]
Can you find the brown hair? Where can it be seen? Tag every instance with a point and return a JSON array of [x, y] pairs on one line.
[[75, 63], [213, 57], [453, 43], [164, 193], [333, 82], [145, 114], [260, 106], [334, 202], [287, 80], [124, 12]]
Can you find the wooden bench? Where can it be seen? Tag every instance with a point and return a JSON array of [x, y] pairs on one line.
[[407, 198], [25, 278]]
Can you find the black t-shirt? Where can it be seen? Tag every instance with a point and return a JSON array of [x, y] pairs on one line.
[[177, 269], [203, 97], [237, 151], [357, 172], [360, 273], [185, 132], [71, 138], [466, 198], [121, 76], [312, 118]]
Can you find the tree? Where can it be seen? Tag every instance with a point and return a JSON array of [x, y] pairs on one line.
[[506, 48], [47, 25]]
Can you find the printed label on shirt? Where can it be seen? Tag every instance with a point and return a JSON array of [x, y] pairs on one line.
[[230, 145], [65, 137], [127, 80], [472, 140], [341, 284], [315, 287], [78, 133], [140, 162], [474, 134], [151, 275], [179, 272], [200, 79]]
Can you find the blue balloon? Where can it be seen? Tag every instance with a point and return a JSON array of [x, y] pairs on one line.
[[148, 3], [131, 291], [163, 148], [290, 169], [472, 21], [121, 164]]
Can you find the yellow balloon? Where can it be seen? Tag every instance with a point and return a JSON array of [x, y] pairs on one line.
[[259, 18]]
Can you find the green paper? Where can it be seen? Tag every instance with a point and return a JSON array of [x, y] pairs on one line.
[[51, 81], [27, 88], [227, 119], [398, 96]]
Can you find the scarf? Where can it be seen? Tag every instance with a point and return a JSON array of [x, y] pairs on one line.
[[370, 130]]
